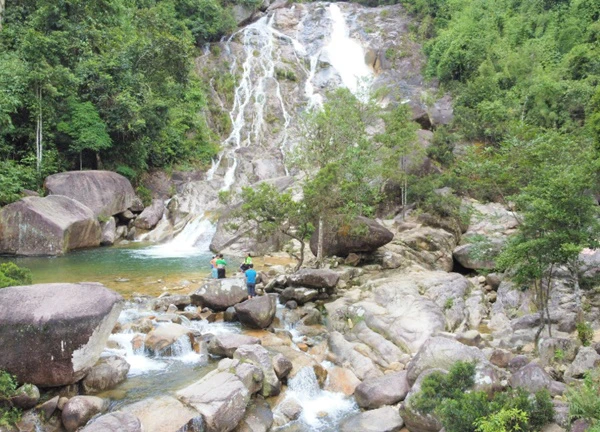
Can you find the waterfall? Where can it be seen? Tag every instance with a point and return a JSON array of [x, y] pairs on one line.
[[194, 239], [261, 51], [320, 409], [347, 56]]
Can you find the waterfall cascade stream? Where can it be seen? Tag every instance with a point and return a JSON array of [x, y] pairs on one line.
[[155, 374], [259, 91]]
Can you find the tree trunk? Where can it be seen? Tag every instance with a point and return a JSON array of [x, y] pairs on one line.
[[2, 8], [80, 161], [39, 131], [539, 289], [547, 297], [301, 260], [404, 188], [574, 273], [320, 243]]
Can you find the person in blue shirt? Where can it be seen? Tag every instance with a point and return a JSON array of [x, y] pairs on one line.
[[250, 275]]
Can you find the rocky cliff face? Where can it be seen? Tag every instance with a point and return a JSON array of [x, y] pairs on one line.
[[269, 72]]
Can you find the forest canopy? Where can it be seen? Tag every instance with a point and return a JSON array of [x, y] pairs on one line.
[[106, 83]]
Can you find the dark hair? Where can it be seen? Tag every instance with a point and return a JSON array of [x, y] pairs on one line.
[[250, 265], [220, 255]]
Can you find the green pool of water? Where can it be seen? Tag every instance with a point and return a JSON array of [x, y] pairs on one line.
[[143, 269]]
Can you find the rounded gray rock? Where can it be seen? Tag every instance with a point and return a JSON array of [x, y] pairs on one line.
[[52, 334]]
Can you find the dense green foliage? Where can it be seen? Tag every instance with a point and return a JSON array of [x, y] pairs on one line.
[[9, 415], [110, 81], [460, 409], [12, 275], [515, 63], [584, 399]]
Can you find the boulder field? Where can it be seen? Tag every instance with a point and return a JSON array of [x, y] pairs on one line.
[[370, 331], [83, 209]]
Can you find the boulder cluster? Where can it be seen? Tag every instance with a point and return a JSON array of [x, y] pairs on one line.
[[82, 209]]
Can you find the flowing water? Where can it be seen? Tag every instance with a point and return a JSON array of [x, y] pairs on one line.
[[183, 263]]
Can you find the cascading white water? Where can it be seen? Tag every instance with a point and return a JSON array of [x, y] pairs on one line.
[[320, 409], [262, 45], [181, 351], [346, 55], [194, 239], [138, 361], [258, 68]]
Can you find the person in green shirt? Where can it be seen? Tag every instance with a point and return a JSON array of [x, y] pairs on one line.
[[246, 264], [221, 264]]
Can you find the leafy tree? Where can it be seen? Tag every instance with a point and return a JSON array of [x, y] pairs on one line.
[[338, 160], [85, 128], [558, 222], [461, 409], [273, 212], [400, 150]]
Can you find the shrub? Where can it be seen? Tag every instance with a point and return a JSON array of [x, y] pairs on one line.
[[144, 194], [584, 399], [585, 333], [505, 420], [460, 409], [127, 171], [9, 415], [12, 275]]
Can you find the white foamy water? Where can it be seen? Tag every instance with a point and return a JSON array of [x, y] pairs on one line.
[[138, 361], [321, 409], [346, 55], [142, 362], [194, 239]]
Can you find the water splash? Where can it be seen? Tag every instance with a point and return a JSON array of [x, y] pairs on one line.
[[321, 410], [138, 361], [193, 240]]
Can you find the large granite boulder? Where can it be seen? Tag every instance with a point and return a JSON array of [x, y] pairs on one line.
[[587, 360], [151, 215], [257, 312], [224, 345], [109, 232], [47, 226], [106, 193], [115, 421], [259, 356], [80, 409], [162, 414], [52, 334], [315, 278], [162, 338], [219, 294], [106, 374], [479, 256], [258, 418], [533, 378], [442, 353], [361, 235], [384, 419], [221, 398], [385, 390]]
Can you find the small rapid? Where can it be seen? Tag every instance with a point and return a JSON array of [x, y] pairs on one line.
[[322, 410]]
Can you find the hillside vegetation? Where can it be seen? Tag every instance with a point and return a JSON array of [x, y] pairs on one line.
[[107, 83]]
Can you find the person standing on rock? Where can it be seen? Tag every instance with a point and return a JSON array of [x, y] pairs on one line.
[[213, 267], [246, 264], [221, 264], [250, 275]]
